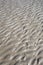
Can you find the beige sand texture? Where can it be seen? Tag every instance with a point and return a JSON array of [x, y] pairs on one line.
[[21, 32]]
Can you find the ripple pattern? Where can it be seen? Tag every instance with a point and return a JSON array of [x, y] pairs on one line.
[[21, 32]]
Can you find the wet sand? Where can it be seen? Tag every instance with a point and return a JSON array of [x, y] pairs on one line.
[[21, 32]]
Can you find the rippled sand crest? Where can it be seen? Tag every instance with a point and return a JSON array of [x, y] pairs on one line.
[[21, 32]]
